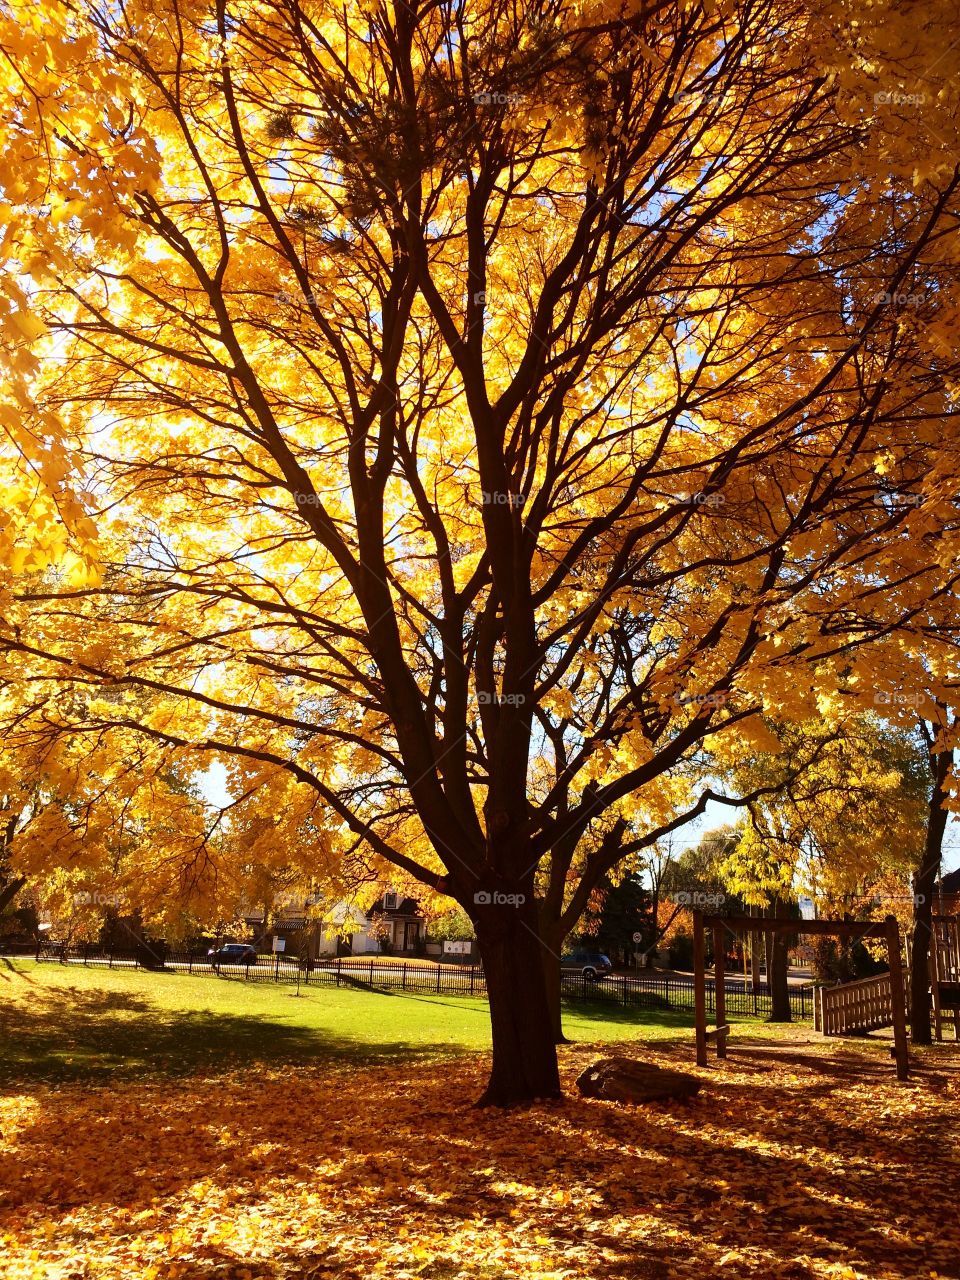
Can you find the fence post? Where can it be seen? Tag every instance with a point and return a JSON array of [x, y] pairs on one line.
[[110, 958], [371, 973], [189, 962], [720, 988], [699, 989], [438, 979], [403, 976], [473, 971], [339, 962]]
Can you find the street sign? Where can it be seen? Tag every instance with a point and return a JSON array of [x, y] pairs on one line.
[[638, 936], [279, 944]]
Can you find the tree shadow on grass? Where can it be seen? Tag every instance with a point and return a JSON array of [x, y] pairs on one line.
[[13, 973], [637, 1014], [75, 1034]]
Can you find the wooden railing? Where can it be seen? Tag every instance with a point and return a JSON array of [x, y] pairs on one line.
[[854, 1007]]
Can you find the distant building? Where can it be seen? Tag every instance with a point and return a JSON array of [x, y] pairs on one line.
[[314, 929], [400, 922]]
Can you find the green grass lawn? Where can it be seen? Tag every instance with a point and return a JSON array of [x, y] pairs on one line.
[[61, 1022], [67, 1022]]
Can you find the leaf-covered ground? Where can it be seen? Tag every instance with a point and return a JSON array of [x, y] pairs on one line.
[[797, 1159]]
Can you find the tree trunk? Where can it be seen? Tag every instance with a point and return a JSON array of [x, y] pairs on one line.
[[924, 884], [524, 1053], [778, 959], [780, 1010], [10, 890], [552, 980]]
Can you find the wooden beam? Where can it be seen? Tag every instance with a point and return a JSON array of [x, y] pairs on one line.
[[896, 998], [720, 985], [786, 924], [719, 1034], [699, 989], [934, 967]]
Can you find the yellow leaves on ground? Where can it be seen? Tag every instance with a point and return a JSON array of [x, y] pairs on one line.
[[799, 1159]]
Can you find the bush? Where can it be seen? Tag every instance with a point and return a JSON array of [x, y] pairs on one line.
[[681, 950], [452, 926], [839, 960], [19, 927]]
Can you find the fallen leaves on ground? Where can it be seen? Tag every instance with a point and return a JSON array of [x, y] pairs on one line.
[[797, 1160]]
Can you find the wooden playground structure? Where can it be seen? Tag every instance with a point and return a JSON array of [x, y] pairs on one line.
[[882, 1002], [945, 972]]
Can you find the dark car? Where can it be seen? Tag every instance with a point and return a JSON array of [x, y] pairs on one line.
[[592, 965], [233, 953]]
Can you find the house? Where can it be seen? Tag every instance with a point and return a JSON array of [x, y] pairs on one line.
[[400, 923], [312, 928], [347, 931]]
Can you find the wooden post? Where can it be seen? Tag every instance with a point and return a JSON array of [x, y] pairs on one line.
[[699, 989], [720, 984], [896, 998], [934, 965]]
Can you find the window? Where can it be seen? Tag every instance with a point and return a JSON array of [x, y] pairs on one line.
[[389, 902]]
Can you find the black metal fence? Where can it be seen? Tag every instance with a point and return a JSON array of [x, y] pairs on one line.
[[644, 991], [672, 992]]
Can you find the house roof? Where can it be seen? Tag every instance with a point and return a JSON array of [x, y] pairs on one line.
[[950, 883], [405, 907]]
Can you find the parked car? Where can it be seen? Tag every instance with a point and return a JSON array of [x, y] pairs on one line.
[[593, 965], [233, 953]]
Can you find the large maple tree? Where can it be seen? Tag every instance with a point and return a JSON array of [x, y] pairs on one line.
[[483, 409]]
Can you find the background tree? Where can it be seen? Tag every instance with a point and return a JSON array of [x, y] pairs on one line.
[[693, 880], [619, 910], [843, 814]]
